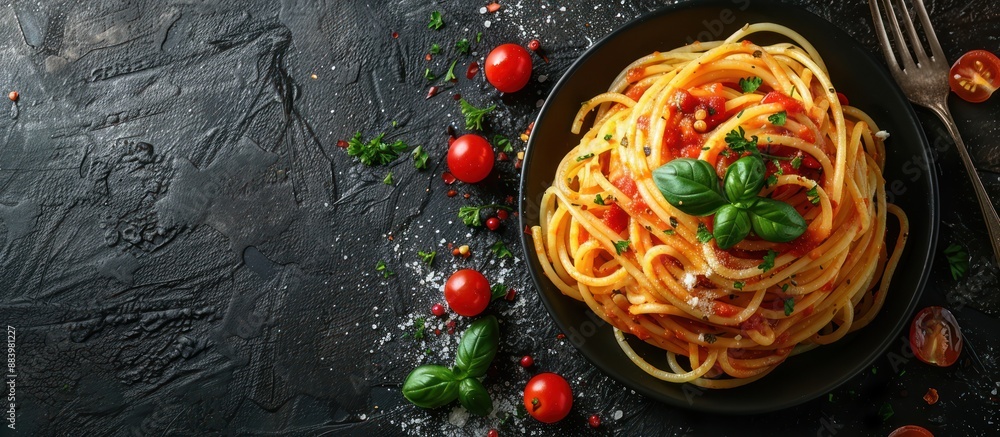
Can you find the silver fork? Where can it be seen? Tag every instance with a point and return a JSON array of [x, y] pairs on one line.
[[925, 82]]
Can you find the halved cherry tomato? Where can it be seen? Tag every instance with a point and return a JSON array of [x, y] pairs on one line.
[[935, 336], [548, 398], [911, 431], [508, 67], [470, 158], [975, 75], [467, 292]]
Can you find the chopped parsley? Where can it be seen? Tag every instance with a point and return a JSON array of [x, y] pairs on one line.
[[740, 114], [773, 178], [885, 411], [704, 235], [582, 157], [736, 139], [789, 306], [428, 75], [500, 250], [797, 162], [375, 151], [388, 179], [436, 21], [503, 143], [435, 49], [784, 288], [479, 36], [419, 158], [669, 231], [768, 262], [750, 84], [474, 115], [381, 267], [470, 214], [462, 46], [598, 199], [427, 257], [958, 260], [608, 137], [739, 285], [778, 119], [709, 338], [497, 291], [813, 195], [450, 75], [622, 246], [419, 325]]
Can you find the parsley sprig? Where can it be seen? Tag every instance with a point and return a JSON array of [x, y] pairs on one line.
[[436, 22], [750, 84], [500, 250], [427, 257], [473, 115], [768, 262], [737, 141], [375, 151], [470, 215]]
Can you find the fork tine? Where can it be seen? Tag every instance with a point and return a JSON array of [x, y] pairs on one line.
[[883, 38], [904, 52], [925, 22], [915, 44]]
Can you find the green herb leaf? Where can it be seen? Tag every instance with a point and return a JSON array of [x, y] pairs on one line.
[[958, 260], [750, 84], [419, 326], [503, 143], [622, 246], [744, 179], [436, 21], [431, 386], [388, 179], [381, 267], [435, 49], [669, 231], [885, 411], [462, 46], [450, 75], [789, 306], [797, 162], [474, 115], [582, 157], [598, 199], [690, 185], [500, 250], [427, 257], [738, 285], [813, 195], [419, 158], [768, 262], [497, 291], [374, 152], [428, 75], [776, 221], [608, 137], [474, 397], [737, 142], [731, 225], [778, 119], [703, 235], [477, 348], [470, 214], [784, 288], [479, 37]]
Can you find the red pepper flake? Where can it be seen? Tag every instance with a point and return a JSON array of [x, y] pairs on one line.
[[448, 178], [451, 326], [466, 195], [455, 252], [527, 361], [472, 71], [452, 193], [432, 92], [502, 214], [509, 199], [931, 397], [390, 237], [427, 57], [843, 99], [534, 45], [502, 157], [493, 7], [511, 294], [13, 96], [456, 97], [395, 35], [437, 332], [527, 230], [560, 336], [517, 164], [342, 144]]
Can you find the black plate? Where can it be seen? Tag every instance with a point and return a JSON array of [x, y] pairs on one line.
[[911, 184]]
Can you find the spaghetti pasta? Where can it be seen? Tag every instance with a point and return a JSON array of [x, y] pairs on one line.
[[609, 237]]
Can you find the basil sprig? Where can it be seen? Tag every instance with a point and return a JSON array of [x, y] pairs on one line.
[[692, 186], [432, 385]]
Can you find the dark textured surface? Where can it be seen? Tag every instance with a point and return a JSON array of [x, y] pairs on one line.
[[185, 251]]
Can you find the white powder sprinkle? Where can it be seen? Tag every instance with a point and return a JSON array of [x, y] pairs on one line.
[[618, 415], [690, 280], [882, 135]]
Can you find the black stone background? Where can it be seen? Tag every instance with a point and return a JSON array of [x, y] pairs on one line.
[[184, 250]]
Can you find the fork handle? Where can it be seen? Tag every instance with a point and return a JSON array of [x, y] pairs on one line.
[[985, 204]]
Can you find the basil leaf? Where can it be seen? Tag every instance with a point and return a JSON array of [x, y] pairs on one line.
[[731, 226], [744, 179], [690, 185], [431, 386], [474, 397], [776, 221], [478, 346]]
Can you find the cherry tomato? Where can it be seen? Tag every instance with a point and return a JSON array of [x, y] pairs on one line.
[[467, 292], [975, 75], [508, 67], [470, 158], [548, 398], [911, 431], [935, 336]]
